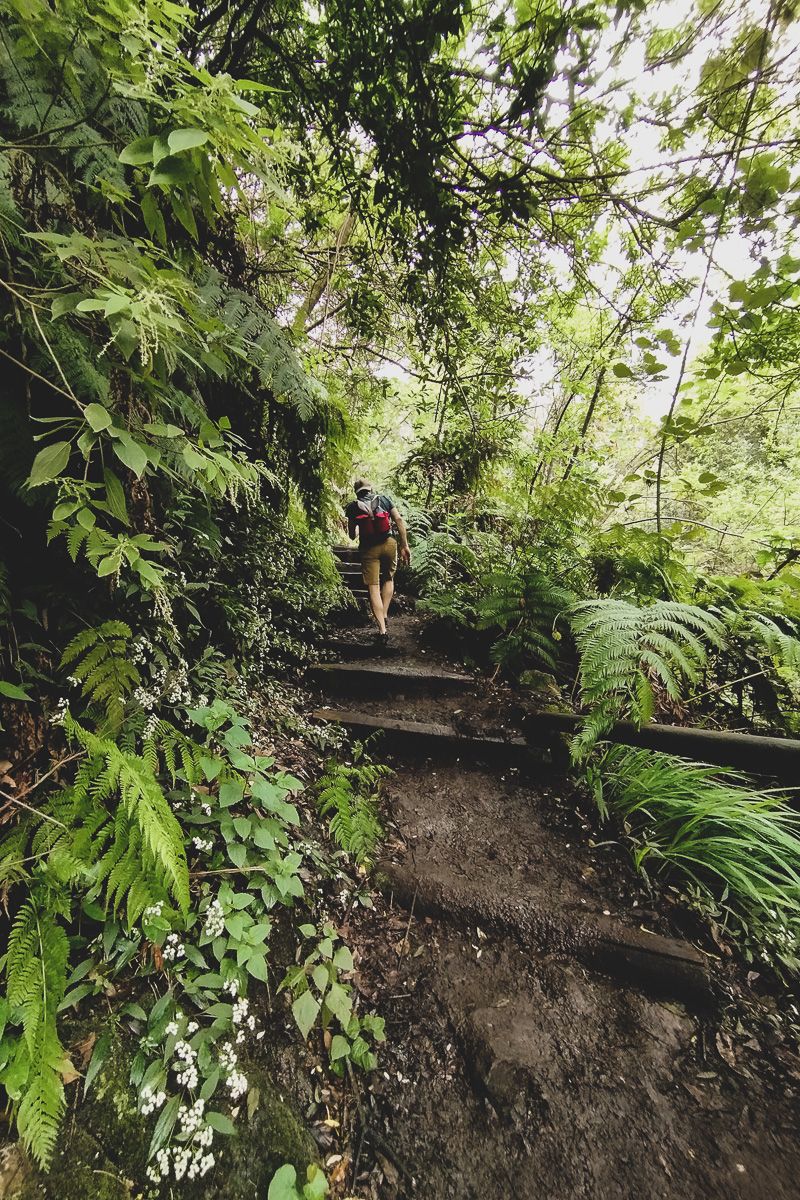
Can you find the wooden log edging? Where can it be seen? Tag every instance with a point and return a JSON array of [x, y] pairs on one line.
[[752, 753]]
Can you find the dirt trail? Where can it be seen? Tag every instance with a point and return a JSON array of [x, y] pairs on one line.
[[513, 1069]]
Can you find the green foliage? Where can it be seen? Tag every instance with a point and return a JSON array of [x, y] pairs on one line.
[[739, 847], [35, 968], [321, 993], [99, 660], [625, 652], [522, 607], [284, 1185], [348, 796]]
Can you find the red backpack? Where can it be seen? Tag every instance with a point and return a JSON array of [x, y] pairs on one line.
[[373, 521]]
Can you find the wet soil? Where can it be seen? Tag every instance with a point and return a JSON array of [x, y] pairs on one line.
[[511, 1069]]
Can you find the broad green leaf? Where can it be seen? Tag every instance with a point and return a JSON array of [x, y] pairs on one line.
[[339, 1003], [132, 455], [317, 1186], [65, 304], [305, 1011], [221, 1123], [97, 416], [343, 959], [115, 496], [186, 139], [49, 463], [12, 691], [340, 1047], [257, 967], [283, 1184], [138, 152]]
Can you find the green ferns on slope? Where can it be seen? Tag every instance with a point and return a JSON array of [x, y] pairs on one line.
[[626, 651], [36, 971], [348, 796]]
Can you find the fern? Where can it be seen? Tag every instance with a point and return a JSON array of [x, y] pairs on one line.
[[36, 973], [100, 663], [113, 828], [524, 606], [783, 647], [624, 650], [348, 795]]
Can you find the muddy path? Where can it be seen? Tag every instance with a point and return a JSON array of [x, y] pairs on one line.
[[524, 1059]]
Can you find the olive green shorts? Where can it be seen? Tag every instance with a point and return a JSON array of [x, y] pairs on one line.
[[379, 562]]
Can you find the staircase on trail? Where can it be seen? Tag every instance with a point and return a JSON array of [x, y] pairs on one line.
[[575, 1019]]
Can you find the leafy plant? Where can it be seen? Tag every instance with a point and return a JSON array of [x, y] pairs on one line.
[[523, 606], [320, 994], [285, 1186], [100, 661], [625, 651], [33, 1062], [735, 844], [347, 795]]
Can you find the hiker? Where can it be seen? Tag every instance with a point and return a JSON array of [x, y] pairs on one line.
[[372, 514]]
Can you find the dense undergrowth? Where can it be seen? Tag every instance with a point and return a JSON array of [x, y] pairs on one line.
[[245, 251]]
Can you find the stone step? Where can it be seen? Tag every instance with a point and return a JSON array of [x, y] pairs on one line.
[[655, 963], [385, 679], [429, 736]]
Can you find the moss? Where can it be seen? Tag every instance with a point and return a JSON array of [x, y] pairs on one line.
[[83, 1170], [102, 1152], [273, 1135]]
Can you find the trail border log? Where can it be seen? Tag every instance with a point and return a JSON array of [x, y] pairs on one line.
[[757, 755]]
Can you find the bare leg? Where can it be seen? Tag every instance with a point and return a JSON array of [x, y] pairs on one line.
[[376, 604], [387, 591]]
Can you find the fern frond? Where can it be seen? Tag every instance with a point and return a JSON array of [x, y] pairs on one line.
[[100, 663], [36, 975], [348, 795], [620, 645]]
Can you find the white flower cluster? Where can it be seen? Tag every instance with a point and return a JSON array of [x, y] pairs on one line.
[[193, 1158], [232, 986], [242, 1017], [150, 726], [178, 686], [60, 712], [203, 843], [150, 1100], [236, 1081], [153, 910], [137, 651], [202, 700], [215, 920], [173, 948], [186, 1074], [144, 699]]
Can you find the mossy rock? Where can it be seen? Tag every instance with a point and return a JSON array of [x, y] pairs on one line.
[[102, 1151], [273, 1135]]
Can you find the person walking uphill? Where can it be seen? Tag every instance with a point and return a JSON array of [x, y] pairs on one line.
[[372, 514]]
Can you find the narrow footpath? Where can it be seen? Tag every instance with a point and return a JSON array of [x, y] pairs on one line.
[[550, 1034]]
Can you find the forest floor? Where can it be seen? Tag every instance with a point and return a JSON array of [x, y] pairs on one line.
[[513, 1067]]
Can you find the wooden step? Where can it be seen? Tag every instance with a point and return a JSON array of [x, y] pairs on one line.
[[352, 650], [346, 554], [427, 735], [385, 678]]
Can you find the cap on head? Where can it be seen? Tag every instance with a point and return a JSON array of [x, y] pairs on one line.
[[362, 485]]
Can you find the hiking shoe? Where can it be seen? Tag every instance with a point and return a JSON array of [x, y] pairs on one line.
[[382, 640]]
